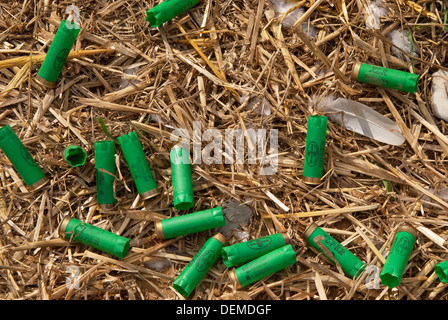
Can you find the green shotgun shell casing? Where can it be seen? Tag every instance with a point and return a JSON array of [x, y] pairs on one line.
[[167, 10], [109, 242], [181, 178], [385, 77], [398, 257], [21, 159], [441, 270], [75, 155], [57, 54], [246, 251], [323, 243], [316, 136], [138, 165], [190, 223], [263, 266], [105, 171], [201, 263]]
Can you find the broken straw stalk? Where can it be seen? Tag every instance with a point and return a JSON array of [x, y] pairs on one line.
[[27, 62], [39, 58]]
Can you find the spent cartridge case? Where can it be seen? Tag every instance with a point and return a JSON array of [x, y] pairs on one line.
[[109, 242], [385, 77], [181, 178], [61, 46], [316, 136], [190, 223], [138, 165], [398, 257], [263, 266], [167, 10], [198, 267], [21, 159], [105, 171], [243, 252], [323, 243]]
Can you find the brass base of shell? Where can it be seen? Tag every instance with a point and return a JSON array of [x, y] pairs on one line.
[[45, 83], [220, 237], [309, 230], [39, 184], [313, 181], [159, 230], [234, 279], [149, 194], [355, 71], [63, 226], [107, 206]]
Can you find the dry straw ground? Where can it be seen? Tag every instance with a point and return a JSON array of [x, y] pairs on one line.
[[195, 68]]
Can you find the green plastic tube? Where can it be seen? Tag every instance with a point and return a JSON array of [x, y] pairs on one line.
[[198, 267], [75, 155], [76, 230], [384, 77], [57, 54], [263, 266], [181, 178], [323, 243], [246, 251], [167, 10], [398, 257], [105, 171], [316, 136], [138, 165], [441, 270], [190, 223], [21, 159]]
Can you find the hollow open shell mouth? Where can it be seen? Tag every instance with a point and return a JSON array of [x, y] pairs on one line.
[[390, 280], [441, 273], [150, 17], [75, 156]]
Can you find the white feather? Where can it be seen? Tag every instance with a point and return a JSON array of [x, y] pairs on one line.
[[359, 118], [158, 265], [374, 11], [261, 105], [282, 6], [401, 40], [440, 94]]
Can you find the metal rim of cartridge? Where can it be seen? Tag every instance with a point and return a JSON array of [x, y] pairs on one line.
[[408, 229], [309, 230], [149, 194], [221, 238], [159, 229], [45, 83], [234, 279], [63, 225], [39, 184], [355, 70], [107, 206], [313, 181]]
